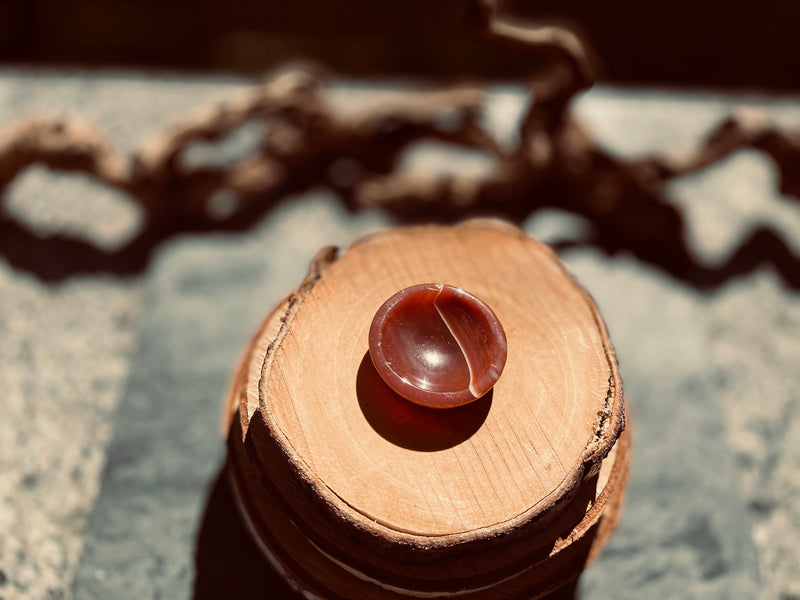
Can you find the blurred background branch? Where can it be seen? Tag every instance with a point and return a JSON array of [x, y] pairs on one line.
[[305, 143]]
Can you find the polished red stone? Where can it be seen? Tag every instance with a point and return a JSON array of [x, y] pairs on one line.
[[438, 346]]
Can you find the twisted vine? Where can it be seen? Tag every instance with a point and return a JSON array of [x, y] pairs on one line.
[[554, 163]]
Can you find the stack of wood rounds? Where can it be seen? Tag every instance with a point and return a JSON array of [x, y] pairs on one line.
[[353, 492]]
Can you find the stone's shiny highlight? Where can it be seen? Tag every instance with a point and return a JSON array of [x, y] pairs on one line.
[[437, 345]]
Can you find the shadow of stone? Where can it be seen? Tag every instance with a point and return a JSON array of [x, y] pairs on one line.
[[409, 425]]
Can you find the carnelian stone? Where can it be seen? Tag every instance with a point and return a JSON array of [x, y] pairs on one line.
[[437, 345]]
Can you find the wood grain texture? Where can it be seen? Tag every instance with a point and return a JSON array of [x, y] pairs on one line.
[[438, 502]]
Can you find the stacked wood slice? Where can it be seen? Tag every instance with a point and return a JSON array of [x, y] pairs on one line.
[[352, 492]]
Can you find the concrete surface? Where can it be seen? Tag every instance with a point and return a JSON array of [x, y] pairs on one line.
[[110, 389]]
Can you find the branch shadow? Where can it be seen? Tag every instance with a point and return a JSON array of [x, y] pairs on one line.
[[640, 222], [625, 201], [57, 257]]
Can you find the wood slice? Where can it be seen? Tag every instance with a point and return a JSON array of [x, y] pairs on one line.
[[424, 500], [313, 572]]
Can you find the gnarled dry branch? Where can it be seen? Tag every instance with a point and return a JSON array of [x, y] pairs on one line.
[[307, 143]]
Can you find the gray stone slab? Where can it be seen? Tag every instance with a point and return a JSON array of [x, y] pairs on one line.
[[713, 508], [685, 531], [205, 296], [65, 348], [65, 351]]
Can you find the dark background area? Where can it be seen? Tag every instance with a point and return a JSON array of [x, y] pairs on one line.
[[752, 45]]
